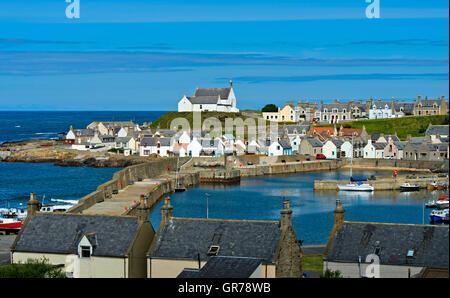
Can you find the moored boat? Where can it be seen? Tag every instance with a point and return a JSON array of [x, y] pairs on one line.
[[409, 187], [356, 187], [442, 203], [10, 223], [430, 204], [439, 215]]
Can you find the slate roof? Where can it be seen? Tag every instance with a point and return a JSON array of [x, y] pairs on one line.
[[184, 238], [437, 129], [339, 106], [430, 244], [284, 144], [376, 136], [203, 99], [407, 107], [153, 141], [315, 142], [61, 234], [123, 139], [210, 143], [212, 92], [400, 145], [84, 132], [224, 267], [299, 128], [430, 102], [337, 143], [379, 146]]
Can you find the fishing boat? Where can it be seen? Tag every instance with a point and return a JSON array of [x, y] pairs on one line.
[[55, 208], [355, 185], [439, 215], [432, 186], [409, 187], [10, 223], [442, 203]]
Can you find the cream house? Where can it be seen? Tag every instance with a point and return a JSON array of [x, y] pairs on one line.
[[182, 243], [86, 245], [287, 114]]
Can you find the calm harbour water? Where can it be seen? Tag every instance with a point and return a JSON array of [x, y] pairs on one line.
[[260, 198]]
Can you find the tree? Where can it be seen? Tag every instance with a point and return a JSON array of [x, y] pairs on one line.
[[270, 108]]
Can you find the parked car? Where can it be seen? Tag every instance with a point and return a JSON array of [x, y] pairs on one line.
[[320, 156]]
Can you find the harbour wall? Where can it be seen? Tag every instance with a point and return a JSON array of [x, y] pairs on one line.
[[399, 164], [384, 183], [124, 177]]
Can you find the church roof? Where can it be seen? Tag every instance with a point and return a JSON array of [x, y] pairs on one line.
[[212, 92]]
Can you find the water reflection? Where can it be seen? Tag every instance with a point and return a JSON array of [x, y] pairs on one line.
[[261, 198]]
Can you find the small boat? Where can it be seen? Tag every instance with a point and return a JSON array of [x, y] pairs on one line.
[[432, 186], [439, 215], [55, 208], [409, 187], [430, 204], [180, 188], [356, 187]]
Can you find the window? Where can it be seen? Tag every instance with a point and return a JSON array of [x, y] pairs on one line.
[[85, 252], [200, 107], [213, 250]]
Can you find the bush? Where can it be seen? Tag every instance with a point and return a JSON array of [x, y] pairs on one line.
[[31, 269], [331, 274]]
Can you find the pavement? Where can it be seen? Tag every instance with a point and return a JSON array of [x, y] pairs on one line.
[[5, 243]]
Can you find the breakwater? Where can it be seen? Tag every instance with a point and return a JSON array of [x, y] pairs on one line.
[[125, 177], [384, 182]]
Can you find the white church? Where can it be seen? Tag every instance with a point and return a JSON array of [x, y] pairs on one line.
[[210, 99]]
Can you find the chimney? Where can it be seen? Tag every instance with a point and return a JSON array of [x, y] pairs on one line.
[[231, 83], [403, 100], [143, 210], [286, 216], [32, 205], [408, 138], [166, 211], [287, 102], [339, 215], [418, 97]]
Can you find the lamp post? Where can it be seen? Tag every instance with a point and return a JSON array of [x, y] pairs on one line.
[[207, 195]]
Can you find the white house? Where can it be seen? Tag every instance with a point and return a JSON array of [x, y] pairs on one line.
[[194, 148], [127, 143], [374, 150], [295, 143], [332, 148], [253, 147], [210, 99], [240, 147], [380, 110], [213, 147], [122, 133], [347, 149], [159, 146]]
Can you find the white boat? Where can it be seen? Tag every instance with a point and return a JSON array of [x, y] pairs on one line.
[[55, 208], [356, 187], [352, 186]]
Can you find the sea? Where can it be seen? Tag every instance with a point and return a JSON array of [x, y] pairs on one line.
[[255, 198]]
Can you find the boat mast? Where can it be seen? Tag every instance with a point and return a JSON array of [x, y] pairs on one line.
[[351, 161]]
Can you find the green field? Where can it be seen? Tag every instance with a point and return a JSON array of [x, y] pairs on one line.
[[312, 262], [415, 126]]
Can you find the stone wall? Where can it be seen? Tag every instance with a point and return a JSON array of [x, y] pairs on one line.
[[122, 179]]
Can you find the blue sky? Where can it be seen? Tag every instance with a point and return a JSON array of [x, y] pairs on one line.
[[144, 55]]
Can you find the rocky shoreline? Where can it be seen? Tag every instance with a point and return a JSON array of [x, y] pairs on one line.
[[37, 151]]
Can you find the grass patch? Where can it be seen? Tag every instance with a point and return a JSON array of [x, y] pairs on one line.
[[312, 263], [165, 120], [415, 126]]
